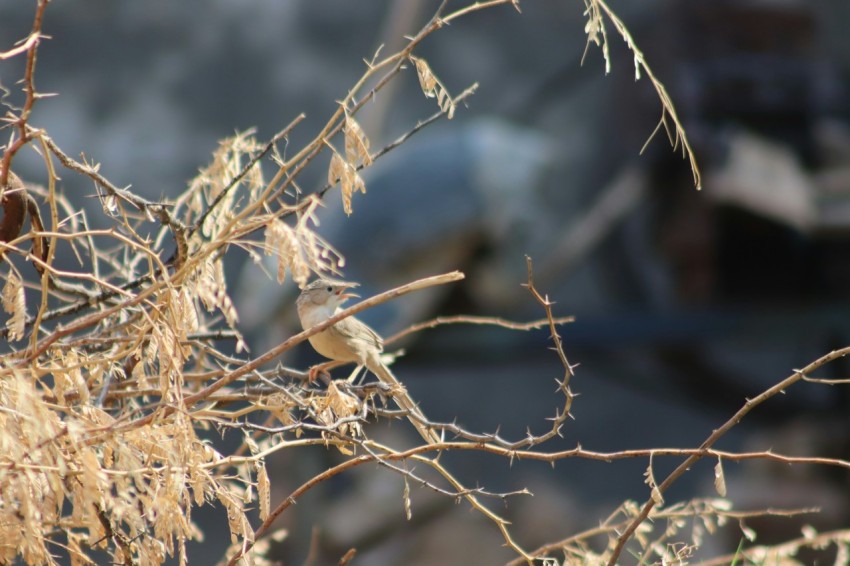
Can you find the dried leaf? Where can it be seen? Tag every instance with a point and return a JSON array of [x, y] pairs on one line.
[[719, 479], [350, 185], [110, 204], [433, 88], [14, 302], [282, 240], [228, 161], [408, 511], [650, 481], [263, 490], [299, 249], [427, 79], [188, 312], [343, 406], [350, 181], [212, 290], [697, 534], [336, 405], [356, 143], [252, 444], [336, 170]]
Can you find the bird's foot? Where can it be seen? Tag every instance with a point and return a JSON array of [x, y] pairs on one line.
[[317, 371]]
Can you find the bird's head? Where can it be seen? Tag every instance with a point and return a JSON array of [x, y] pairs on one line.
[[327, 293]]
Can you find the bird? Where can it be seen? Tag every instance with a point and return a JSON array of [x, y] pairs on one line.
[[351, 340]]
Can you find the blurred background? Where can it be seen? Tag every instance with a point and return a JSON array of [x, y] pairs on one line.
[[687, 302]]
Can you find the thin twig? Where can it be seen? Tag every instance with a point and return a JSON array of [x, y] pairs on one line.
[[678, 137], [475, 320], [20, 121], [156, 209]]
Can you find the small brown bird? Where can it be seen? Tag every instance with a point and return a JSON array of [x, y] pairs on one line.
[[350, 340]]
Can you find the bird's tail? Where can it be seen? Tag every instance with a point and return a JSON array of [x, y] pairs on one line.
[[403, 400]]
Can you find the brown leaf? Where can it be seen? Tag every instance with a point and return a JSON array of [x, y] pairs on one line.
[[433, 88], [650, 481], [350, 181], [719, 479], [408, 508], [427, 79], [336, 169], [263, 490], [14, 302], [356, 143]]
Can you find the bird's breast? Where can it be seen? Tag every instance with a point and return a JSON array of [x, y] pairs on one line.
[[331, 347], [326, 342]]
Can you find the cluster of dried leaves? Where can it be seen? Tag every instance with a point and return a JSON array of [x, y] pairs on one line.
[[121, 363], [117, 368]]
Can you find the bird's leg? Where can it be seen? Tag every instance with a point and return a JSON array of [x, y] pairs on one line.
[[353, 377], [321, 370]]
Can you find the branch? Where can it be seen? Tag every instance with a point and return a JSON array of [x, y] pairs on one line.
[[20, 121], [703, 450], [476, 320], [151, 209], [248, 166], [288, 344], [384, 458], [691, 510], [596, 33], [407, 135]]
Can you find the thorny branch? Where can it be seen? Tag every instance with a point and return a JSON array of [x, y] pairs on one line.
[[30, 46], [407, 135], [696, 509], [492, 443], [712, 439], [151, 209], [534, 455], [161, 209], [382, 455], [276, 351], [474, 320]]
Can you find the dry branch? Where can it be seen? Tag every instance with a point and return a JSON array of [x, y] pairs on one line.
[[718, 433]]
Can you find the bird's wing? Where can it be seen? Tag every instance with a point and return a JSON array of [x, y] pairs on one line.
[[353, 329]]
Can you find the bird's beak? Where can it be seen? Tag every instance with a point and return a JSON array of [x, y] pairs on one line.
[[343, 294]]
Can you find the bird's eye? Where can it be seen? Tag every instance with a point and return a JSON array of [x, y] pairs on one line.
[[330, 289]]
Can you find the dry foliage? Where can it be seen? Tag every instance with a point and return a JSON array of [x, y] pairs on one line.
[[115, 371]]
